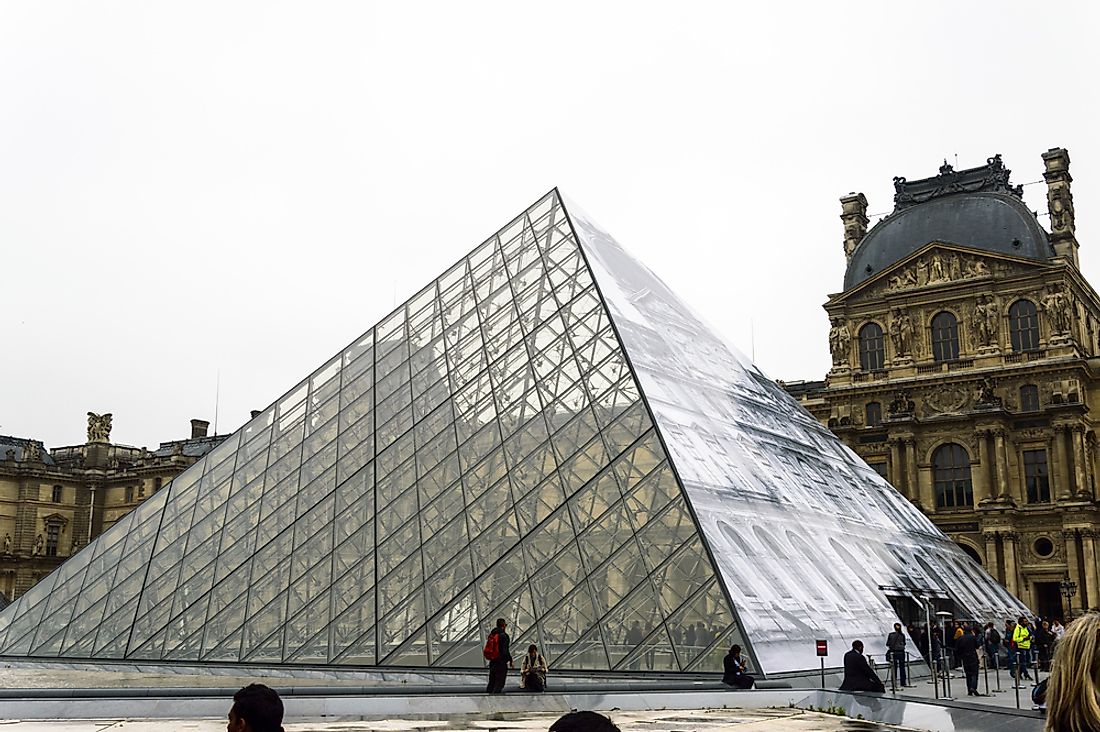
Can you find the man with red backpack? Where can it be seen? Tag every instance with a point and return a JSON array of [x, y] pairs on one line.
[[500, 659]]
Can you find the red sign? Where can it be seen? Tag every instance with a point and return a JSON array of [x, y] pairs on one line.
[[823, 648]]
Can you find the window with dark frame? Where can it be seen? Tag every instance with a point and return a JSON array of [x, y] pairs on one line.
[[1036, 476], [951, 475], [1029, 398], [1023, 325], [879, 468], [53, 537], [945, 337], [872, 348], [57, 494], [873, 414]]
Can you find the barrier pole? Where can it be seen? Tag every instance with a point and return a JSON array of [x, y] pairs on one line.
[[1017, 684], [985, 667]]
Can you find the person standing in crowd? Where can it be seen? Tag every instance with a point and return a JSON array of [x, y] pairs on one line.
[[498, 655], [936, 649], [1044, 642], [1073, 687], [736, 669], [858, 674], [966, 650], [532, 672], [921, 639], [1022, 637], [992, 645], [895, 651], [1010, 645], [949, 643], [1058, 629]]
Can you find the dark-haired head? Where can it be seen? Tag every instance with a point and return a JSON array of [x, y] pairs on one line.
[[256, 708], [584, 722]]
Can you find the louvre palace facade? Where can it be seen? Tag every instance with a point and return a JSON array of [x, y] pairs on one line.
[[964, 348], [53, 501]]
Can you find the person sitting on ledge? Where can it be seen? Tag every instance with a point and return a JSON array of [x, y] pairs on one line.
[[532, 674], [858, 674], [735, 667]]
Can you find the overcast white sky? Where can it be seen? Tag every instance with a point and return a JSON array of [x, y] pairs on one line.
[[203, 188]]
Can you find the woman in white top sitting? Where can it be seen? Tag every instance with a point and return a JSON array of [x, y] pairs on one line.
[[532, 674]]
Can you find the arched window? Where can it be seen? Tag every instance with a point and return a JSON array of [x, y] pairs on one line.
[[945, 337], [1023, 325], [1029, 398], [951, 474], [872, 349], [874, 414]]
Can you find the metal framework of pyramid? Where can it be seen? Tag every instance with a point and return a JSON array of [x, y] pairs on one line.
[[545, 433]]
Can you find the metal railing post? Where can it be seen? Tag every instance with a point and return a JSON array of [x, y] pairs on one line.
[[946, 676], [1017, 684], [985, 668]]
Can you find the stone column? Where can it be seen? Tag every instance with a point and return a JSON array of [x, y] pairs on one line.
[[1008, 543], [911, 478], [1069, 536], [1063, 235], [1060, 472], [1081, 482], [895, 466], [1088, 548], [981, 475], [1002, 464], [992, 561], [853, 214]]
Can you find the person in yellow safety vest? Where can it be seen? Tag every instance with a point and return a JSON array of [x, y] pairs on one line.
[[1022, 638]]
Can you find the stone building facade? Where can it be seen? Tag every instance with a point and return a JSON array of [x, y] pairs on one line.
[[965, 362], [53, 502]]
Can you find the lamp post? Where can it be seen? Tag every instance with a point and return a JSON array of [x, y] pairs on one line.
[[1069, 589]]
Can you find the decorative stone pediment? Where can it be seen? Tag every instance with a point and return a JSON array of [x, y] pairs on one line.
[[938, 264]]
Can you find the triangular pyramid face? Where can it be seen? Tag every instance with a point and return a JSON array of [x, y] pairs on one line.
[[803, 532], [482, 452]]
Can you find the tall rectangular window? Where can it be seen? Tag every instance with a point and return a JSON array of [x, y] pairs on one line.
[[53, 536], [1036, 476]]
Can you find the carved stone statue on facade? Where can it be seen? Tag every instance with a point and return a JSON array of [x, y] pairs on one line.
[[922, 271], [954, 266], [986, 322], [976, 268], [936, 271], [987, 398], [39, 545], [1060, 205], [32, 452], [1058, 308], [901, 405], [7, 543], [840, 338], [99, 427], [901, 332]]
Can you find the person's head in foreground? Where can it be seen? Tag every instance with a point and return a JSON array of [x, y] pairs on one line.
[[584, 722], [857, 646], [256, 708], [1073, 691]]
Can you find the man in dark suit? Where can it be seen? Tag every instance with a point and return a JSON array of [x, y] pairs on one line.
[[966, 650], [858, 674]]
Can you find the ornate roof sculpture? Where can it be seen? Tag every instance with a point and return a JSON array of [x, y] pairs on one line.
[[977, 207], [545, 433]]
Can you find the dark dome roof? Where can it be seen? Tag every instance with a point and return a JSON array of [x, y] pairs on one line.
[[982, 220]]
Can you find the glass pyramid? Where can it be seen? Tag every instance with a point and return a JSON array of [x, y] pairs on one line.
[[545, 433]]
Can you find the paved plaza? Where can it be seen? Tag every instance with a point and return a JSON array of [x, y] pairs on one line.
[[704, 720]]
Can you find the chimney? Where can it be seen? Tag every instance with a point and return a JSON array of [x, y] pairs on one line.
[[255, 413], [1063, 236], [854, 215], [199, 428]]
